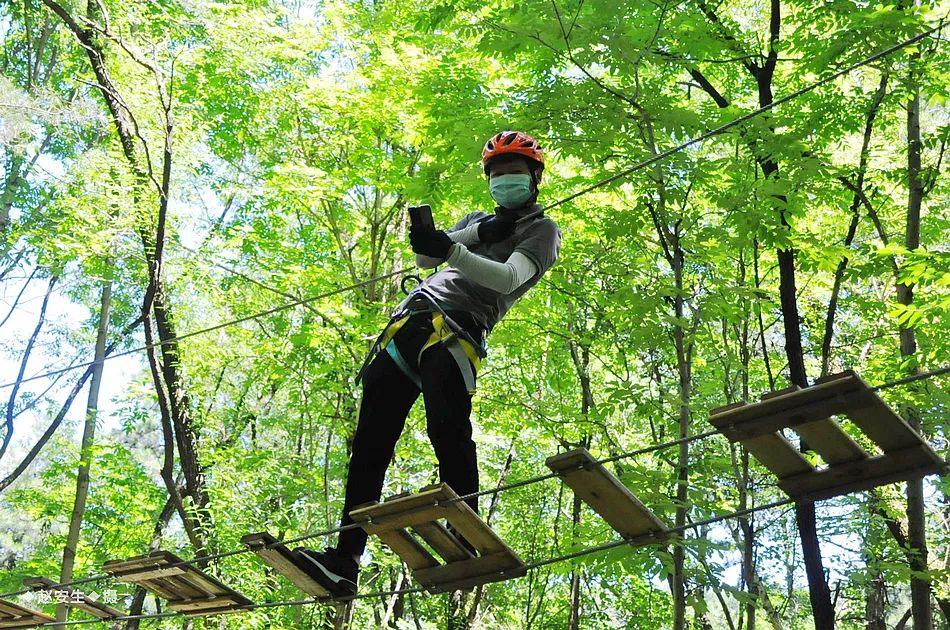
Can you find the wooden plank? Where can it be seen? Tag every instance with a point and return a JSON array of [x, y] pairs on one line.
[[601, 490], [475, 570], [148, 573], [406, 547], [444, 543], [650, 538], [910, 463], [826, 438], [778, 455], [388, 520], [15, 616], [41, 583], [376, 524], [780, 392], [178, 584], [205, 582], [467, 523], [850, 374], [214, 603], [156, 588], [284, 562], [879, 422], [436, 502], [164, 588], [721, 410], [478, 580], [88, 605], [13, 610], [817, 402], [141, 563], [181, 587], [114, 567], [375, 515]]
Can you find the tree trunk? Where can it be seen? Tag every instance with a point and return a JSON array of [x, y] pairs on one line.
[[684, 373], [874, 610], [574, 616], [818, 591], [168, 382], [916, 524], [580, 355], [88, 438]]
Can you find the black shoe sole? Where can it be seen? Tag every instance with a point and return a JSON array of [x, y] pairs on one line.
[[336, 584]]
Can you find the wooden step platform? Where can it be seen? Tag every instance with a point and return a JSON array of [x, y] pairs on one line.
[[904, 455], [602, 491], [397, 519], [78, 600], [188, 590], [284, 561], [16, 616]]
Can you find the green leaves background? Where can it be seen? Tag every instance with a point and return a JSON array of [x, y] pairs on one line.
[[302, 132]]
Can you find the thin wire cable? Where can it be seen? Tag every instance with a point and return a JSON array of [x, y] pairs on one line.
[[343, 528], [583, 191], [418, 589], [496, 490], [911, 379], [672, 530], [739, 120], [292, 602], [225, 324]]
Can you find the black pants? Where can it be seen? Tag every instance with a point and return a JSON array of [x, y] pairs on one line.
[[388, 395]]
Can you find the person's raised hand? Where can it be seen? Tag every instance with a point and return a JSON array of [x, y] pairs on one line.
[[429, 242]]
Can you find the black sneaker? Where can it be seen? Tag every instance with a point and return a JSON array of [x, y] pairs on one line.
[[334, 572]]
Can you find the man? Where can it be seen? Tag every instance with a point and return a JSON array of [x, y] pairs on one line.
[[434, 343]]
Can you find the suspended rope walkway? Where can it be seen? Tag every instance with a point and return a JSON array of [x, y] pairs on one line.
[[511, 486], [418, 589]]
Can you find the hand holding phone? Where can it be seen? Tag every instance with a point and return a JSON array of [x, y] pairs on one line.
[[421, 216]]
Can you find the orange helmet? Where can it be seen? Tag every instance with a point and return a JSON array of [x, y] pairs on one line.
[[508, 142]]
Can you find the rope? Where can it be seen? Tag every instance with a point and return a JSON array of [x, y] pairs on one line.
[[910, 379], [583, 191], [225, 324], [342, 528], [529, 566], [498, 489], [539, 478]]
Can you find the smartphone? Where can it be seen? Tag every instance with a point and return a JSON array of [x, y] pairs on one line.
[[421, 216]]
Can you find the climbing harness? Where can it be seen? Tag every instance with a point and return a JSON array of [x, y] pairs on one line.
[[466, 351]]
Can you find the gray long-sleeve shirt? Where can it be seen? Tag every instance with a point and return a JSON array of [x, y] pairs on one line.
[[486, 279]]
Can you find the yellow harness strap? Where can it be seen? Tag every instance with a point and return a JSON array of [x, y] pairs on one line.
[[441, 333], [391, 331]]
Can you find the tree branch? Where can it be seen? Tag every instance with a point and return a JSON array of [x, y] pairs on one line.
[[8, 434]]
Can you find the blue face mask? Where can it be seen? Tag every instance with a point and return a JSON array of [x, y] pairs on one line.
[[511, 190]]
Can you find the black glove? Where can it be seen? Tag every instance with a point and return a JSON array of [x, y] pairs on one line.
[[429, 242], [497, 228]]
